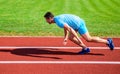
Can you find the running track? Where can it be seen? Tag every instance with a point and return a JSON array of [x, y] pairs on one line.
[[47, 55]]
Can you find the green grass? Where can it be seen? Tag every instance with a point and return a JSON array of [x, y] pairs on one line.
[[25, 18]]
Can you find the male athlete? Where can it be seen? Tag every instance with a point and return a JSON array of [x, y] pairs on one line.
[[73, 24]]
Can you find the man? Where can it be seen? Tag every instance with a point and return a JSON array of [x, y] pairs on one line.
[[73, 24]]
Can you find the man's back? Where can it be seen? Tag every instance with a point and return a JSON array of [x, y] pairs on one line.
[[72, 20]]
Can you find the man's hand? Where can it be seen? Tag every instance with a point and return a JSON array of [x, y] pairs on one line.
[[65, 42]]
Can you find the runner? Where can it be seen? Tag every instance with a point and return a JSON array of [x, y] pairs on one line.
[[73, 24]]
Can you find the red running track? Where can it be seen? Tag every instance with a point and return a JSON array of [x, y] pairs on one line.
[[55, 54]]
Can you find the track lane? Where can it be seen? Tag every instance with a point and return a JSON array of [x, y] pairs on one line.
[[59, 69], [28, 54], [50, 54], [46, 41]]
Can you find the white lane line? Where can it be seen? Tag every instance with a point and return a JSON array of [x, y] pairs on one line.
[[60, 62], [44, 47]]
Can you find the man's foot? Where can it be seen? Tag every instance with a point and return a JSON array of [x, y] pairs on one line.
[[84, 51], [110, 44]]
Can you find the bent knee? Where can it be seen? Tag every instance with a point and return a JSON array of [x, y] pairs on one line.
[[89, 39]]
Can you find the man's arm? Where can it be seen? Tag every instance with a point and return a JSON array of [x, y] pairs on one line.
[[68, 29], [66, 32]]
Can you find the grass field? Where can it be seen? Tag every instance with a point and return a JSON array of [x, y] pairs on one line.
[[25, 17]]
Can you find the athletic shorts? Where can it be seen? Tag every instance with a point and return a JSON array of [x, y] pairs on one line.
[[82, 29]]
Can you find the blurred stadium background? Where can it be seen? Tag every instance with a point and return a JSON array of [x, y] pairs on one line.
[[25, 17]]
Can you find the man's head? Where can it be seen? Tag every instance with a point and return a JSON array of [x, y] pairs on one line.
[[49, 17]]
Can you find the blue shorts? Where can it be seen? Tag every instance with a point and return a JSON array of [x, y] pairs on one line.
[[82, 29]]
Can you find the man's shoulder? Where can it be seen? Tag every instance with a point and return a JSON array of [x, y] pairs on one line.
[[59, 16]]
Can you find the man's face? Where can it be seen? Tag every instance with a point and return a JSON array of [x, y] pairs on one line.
[[49, 20]]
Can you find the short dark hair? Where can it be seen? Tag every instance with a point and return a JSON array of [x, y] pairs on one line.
[[48, 15]]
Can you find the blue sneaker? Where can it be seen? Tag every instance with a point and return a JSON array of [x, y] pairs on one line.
[[84, 51], [110, 44]]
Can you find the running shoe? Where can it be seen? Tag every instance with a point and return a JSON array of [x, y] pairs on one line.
[[84, 51], [110, 44]]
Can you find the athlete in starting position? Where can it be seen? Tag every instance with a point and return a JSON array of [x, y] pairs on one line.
[[73, 24]]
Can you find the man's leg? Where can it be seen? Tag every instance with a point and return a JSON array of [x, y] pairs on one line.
[[88, 38], [84, 47], [85, 34], [74, 40], [109, 41]]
